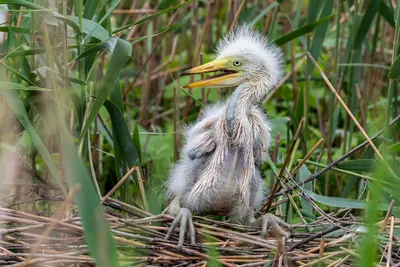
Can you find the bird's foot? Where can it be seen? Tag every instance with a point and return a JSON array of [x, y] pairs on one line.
[[184, 216], [274, 223]]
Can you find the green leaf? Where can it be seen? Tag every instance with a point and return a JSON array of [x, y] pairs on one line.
[[279, 125], [387, 13], [397, 16], [112, 6], [140, 21], [19, 110], [313, 9], [366, 22], [120, 54], [90, 9], [15, 29], [123, 137], [394, 72], [301, 31], [358, 165], [136, 141], [319, 36], [97, 232], [365, 65], [17, 73], [18, 86], [22, 3], [263, 13], [303, 174], [108, 44], [339, 202], [91, 28], [125, 152]]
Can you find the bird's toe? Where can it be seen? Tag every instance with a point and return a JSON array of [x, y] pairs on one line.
[[276, 224], [184, 217]]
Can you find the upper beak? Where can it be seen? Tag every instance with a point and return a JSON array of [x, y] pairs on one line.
[[213, 81]]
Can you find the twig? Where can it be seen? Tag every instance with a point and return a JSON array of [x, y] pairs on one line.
[[306, 157], [307, 240], [296, 136], [388, 214], [334, 163], [237, 15], [126, 176], [389, 253], [344, 105]]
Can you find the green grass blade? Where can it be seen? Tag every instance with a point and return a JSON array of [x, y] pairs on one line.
[[22, 3], [366, 23], [78, 11], [358, 165], [120, 54], [319, 35], [394, 72], [313, 9], [91, 28], [301, 31], [162, 12], [136, 141], [15, 29], [397, 16], [339, 202], [368, 65], [123, 138], [263, 13], [125, 152], [303, 174], [387, 13], [90, 9], [113, 5], [97, 232], [107, 44]]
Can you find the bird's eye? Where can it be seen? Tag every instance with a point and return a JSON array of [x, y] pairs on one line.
[[237, 63]]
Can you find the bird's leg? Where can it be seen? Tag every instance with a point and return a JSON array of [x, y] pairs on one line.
[[270, 221], [184, 216]]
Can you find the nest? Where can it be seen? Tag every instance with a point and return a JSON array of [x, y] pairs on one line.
[[29, 239]]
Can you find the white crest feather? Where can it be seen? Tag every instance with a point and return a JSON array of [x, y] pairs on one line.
[[245, 40]]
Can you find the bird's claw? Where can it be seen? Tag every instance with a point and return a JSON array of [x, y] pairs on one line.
[[276, 224], [184, 216]]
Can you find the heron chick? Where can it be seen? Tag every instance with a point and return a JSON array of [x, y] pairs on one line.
[[219, 169]]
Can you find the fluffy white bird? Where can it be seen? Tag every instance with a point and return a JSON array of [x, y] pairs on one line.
[[219, 168]]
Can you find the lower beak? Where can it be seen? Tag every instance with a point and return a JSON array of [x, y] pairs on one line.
[[213, 81]]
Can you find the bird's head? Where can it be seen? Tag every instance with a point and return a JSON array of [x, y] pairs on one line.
[[244, 57]]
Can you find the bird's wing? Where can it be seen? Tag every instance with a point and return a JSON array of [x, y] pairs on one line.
[[200, 137], [262, 134], [201, 145]]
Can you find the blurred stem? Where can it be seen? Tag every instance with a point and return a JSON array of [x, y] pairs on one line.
[[391, 98]]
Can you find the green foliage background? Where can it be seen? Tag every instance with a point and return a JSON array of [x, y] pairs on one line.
[[90, 89]]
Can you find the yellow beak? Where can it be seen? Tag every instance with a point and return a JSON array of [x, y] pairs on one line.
[[213, 81]]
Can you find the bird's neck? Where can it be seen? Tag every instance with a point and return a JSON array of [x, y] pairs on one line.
[[243, 98]]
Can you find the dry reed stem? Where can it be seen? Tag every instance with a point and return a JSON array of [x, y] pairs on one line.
[[242, 246], [126, 176], [292, 145], [344, 105], [235, 18], [389, 253], [388, 213], [307, 156], [321, 251]]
